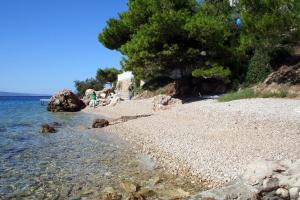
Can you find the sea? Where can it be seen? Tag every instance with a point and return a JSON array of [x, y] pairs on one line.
[[74, 163]]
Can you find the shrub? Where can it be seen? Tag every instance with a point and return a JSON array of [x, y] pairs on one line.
[[249, 93], [216, 71], [259, 67]]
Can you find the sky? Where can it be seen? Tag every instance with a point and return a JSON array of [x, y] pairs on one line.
[[47, 44]]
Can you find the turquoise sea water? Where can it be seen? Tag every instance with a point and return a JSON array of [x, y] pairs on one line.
[[74, 163]]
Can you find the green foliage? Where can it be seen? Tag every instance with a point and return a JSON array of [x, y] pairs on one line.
[[216, 71], [249, 93], [107, 75], [269, 24], [169, 34], [102, 76], [158, 36], [259, 67], [82, 86]]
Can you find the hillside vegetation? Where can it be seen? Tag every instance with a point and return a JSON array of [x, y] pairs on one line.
[[204, 39]]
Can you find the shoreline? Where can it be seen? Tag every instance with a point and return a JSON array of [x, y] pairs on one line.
[[209, 141]]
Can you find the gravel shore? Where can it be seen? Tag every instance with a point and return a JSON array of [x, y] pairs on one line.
[[211, 140]]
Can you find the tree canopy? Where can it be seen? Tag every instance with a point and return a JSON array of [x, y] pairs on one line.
[[199, 37], [103, 76]]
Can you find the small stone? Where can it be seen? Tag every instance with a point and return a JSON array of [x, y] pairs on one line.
[[100, 123], [130, 187], [270, 184], [294, 192], [283, 193]]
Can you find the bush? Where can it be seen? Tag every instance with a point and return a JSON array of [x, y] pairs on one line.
[[259, 67], [216, 71], [249, 93]]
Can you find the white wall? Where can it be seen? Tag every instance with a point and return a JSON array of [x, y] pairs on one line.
[[125, 76]]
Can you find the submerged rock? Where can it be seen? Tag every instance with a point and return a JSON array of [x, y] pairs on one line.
[[130, 187], [109, 193], [46, 128], [65, 101], [100, 123]]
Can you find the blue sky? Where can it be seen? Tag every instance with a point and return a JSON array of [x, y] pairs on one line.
[[47, 44]]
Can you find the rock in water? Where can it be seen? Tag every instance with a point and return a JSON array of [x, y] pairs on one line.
[[46, 128], [100, 123], [65, 101]]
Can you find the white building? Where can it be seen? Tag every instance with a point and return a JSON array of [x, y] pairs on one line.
[[124, 85]]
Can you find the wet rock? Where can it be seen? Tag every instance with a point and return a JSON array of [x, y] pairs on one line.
[[130, 187], [46, 128], [65, 101], [135, 196], [110, 194], [100, 123]]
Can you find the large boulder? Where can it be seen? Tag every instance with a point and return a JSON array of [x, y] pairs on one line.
[[262, 179], [65, 101], [162, 102]]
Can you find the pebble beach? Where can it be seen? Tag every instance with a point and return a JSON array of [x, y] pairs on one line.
[[208, 140]]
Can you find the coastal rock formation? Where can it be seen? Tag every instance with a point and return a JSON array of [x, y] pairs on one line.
[[262, 180], [162, 102], [100, 123], [65, 101]]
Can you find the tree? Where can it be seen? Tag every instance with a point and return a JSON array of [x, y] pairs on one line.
[[157, 40], [107, 75], [269, 25], [91, 83], [102, 76]]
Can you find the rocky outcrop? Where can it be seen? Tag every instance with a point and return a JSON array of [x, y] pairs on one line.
[[162, 102], [65, 101], [100, 123], [262, 180], [285, 79], [285, 74]]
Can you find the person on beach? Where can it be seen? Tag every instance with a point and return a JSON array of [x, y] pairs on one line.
[[94, 99]]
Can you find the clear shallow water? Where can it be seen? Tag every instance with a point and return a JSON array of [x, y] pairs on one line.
[[72, 163]]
